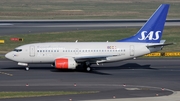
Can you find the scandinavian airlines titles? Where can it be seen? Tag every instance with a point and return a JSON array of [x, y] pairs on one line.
[[149, 36]]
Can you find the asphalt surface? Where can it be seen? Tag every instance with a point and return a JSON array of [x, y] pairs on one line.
[[29, 27], [126, 79]]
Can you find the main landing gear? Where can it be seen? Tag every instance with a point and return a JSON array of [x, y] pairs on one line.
[[87, 67]]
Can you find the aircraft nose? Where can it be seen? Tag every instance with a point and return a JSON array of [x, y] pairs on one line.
[[8, 56]]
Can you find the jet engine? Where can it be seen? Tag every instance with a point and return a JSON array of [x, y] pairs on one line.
[[65, 63]]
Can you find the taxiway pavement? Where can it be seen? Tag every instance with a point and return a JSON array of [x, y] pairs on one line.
[[127, 79], [9, 27]]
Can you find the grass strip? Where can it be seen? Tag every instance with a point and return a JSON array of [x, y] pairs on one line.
[[84, 9], [171, 34], [25, 94]]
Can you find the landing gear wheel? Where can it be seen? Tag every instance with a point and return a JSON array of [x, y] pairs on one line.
[[27, 68], [88, 69]]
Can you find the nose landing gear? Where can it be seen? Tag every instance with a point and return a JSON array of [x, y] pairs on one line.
[[24, 64], [27, 68]]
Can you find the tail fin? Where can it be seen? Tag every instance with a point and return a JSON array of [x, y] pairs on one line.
[[152, 30]]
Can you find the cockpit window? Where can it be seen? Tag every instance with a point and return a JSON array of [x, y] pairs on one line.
[[17, 50]]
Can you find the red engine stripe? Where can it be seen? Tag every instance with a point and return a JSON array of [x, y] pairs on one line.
[[62, 63]]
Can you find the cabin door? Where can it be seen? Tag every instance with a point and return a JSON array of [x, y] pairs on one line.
[[131, 50], [31, 51]]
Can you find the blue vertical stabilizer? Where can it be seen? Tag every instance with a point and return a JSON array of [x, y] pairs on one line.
[[152, 30]]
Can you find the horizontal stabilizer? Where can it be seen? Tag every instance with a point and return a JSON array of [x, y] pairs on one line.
[[149, 46]]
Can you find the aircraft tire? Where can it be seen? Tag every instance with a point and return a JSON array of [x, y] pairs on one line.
[[88, 69], [27, 68]]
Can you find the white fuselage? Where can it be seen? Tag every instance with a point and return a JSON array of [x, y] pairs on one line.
[[107, 51]]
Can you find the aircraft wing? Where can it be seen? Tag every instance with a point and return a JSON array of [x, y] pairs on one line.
[[92, 59]]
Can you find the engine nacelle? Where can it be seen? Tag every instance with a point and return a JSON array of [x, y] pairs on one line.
[[65, 63]]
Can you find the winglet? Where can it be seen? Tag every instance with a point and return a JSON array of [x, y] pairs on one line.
[[152, 30]]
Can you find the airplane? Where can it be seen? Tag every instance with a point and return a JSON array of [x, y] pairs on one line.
[[68, 55]]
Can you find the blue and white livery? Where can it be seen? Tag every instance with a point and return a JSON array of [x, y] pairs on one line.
[[68, 55], [152, 30]]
